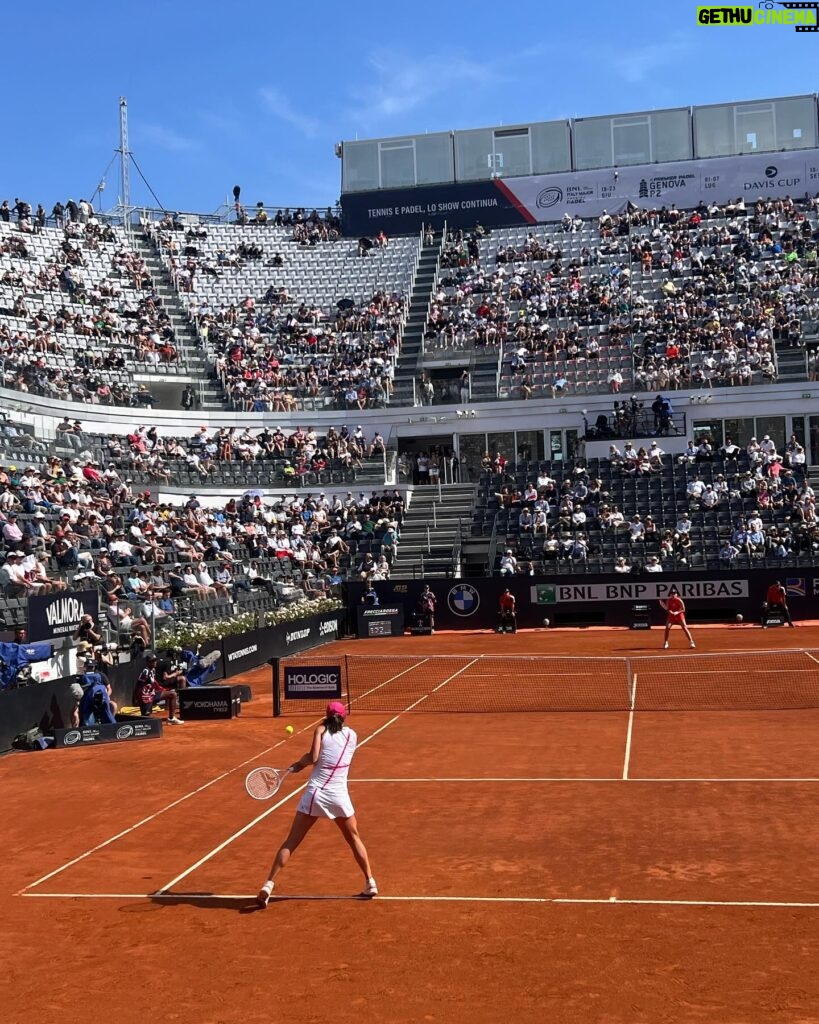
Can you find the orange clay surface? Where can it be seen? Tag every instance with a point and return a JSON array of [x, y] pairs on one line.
[[494, 829]]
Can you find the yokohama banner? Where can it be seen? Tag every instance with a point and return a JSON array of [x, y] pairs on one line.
[[547, 197]]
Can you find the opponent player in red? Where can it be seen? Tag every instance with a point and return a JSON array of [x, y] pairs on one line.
[[674, 607]]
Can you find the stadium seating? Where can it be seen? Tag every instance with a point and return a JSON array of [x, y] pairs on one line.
[[636, 302], [288, 322], [598, 488]]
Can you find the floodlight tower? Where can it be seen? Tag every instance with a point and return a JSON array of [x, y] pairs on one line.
[[124, 162]]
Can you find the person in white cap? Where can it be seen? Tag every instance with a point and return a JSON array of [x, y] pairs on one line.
[[768, 446], [325, 796]]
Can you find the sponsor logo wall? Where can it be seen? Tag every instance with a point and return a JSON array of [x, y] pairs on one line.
[[598, 598], [547, 197], [93, 735], [249, 650]]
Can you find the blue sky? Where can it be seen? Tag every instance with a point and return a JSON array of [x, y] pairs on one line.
[[255, 94]]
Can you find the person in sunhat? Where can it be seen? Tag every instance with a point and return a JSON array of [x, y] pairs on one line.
[[325, 796]]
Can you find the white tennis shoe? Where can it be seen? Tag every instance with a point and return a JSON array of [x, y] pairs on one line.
[[264, 894], [175, 721], [370, 889], [665, 646]]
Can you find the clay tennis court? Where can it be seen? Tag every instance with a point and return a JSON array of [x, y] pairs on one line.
[[619, 865]]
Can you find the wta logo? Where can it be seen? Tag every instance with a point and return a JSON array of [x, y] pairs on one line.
[[549, 197]]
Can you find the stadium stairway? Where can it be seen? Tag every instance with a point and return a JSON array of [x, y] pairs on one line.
[[191, 355], [790, 363], [431, 530], [406, 370]]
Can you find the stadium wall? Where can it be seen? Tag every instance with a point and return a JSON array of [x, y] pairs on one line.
[[542, 198], [598, 600], [49, 704]]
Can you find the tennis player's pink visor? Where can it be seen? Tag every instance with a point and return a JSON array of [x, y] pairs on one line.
[[335, 707]]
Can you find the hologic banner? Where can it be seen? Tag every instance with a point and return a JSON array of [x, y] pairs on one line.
[[540, 198], [696, 590], [312, 682], [55, 616]]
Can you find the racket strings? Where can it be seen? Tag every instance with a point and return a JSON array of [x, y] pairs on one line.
[[263, 782]]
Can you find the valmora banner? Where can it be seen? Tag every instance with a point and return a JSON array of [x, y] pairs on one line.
[[57, 616]]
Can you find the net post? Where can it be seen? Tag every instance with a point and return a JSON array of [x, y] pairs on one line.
[[347, 683], [630, 678], [277, 697]]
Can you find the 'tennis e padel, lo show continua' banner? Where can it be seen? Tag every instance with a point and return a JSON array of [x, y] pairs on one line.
[[540, 198]]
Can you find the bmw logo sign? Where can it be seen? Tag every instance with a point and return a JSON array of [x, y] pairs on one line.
[[463, 600]]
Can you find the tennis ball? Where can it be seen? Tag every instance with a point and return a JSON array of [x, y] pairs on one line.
[[289, 730], [546, 622], [739, 618]]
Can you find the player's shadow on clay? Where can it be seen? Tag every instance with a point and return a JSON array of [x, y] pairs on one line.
[[238, 904]]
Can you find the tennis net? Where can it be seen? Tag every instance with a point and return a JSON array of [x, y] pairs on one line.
[[753, 681]]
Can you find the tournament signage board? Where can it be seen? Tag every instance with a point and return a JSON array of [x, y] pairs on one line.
[[386, 621], [58, 616], [122, 732], [312, 682]]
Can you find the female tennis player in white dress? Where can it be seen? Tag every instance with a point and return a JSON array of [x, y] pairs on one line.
[[326, 796]]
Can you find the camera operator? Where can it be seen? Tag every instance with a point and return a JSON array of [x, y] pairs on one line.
[[170, 671], [87, 631]]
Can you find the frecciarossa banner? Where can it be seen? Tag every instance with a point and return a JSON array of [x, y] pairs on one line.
[[548, 197]]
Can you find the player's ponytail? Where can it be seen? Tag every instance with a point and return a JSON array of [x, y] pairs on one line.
[[333, 723]]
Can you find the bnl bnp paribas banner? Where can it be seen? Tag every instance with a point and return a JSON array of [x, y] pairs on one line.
[[548, 197]]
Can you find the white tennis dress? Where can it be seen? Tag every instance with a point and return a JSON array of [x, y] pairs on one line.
[[326, 795]]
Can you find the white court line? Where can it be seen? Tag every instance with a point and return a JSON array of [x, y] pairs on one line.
[[811, 657], [182, 799], [630, 728], [264, 814], [710, 672], [554, 900], [579, 778], [156, 814]]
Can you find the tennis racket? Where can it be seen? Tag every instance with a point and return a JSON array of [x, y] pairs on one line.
[[262, 783]]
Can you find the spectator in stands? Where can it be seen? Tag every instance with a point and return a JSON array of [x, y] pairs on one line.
[[508, 564], [123, 621]]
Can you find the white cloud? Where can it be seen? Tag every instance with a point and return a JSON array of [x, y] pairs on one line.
[[638, 64], [402, 84], [166, 138], [281, 107]]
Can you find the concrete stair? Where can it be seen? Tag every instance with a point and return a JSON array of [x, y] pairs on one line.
[[407, 367], [431, 531], [791, 363], [192, 362]]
